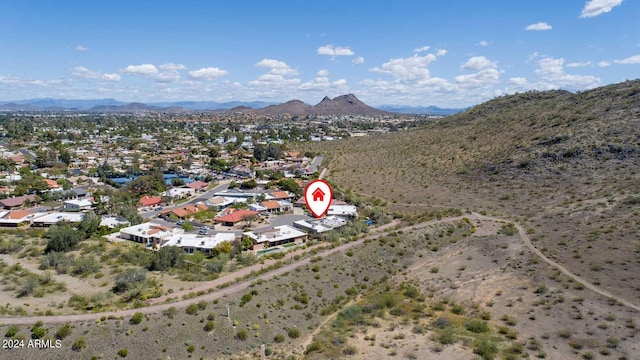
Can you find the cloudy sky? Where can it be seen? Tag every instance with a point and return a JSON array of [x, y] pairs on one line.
[[451, 53]]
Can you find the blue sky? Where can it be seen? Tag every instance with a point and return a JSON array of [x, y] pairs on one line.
[[452, 53]]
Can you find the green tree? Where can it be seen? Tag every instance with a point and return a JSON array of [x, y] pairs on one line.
[[62, 238], [129, 279], [250, 184], [290, 185], [89, 224], [166, 258]]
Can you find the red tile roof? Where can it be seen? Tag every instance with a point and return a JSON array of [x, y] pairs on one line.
[[18, 214], [280, 195], [271, 204], [198, 185], [236, 216], [150, 200]]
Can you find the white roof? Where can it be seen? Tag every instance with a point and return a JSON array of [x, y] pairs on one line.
[[201, 242], [343, 210], [79, 202], [278, 233], [321, 225], [142, 230], [112, 221], [56, 217]]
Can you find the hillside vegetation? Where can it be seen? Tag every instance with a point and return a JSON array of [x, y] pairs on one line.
[[566, 165]]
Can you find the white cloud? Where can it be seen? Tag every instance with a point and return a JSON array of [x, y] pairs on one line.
[[410, 69], [81, 48], [604, 64], [111, 77], [483, 77], [278, 75], [552, 73], [483, 43], [441, 52], [597, 7], [335, 50], [277, 67], [518, 80], [422, 49], [83, 72], [144, 70], [208, 73], [478, 63], [541, 26], [630, 60], [323, 73], [172, 66], [579, 64], [358, 60]]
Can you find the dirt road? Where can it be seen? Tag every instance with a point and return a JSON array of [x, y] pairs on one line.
[[244, 284]]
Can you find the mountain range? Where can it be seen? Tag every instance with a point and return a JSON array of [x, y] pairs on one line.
[[341, 105]]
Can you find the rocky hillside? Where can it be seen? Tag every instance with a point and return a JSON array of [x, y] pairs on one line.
[[345, 105], [567, 165]]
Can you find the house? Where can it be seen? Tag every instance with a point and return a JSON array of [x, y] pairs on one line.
[[235, 193], [220, 203], [179, 193], [113, 222], [184, 212], [191, 243], [321, 225], [318, 195], [77, 205], [279, 195], [343, 210], [149, 201], [235, 217], [18, 201], [148, 233], [279, 235], [15, 218], [198, 185], [53, 185], [57, 217]]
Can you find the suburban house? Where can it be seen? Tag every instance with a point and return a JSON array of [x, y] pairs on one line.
[[184, 212], [53, 185], [220, 203], [280, 195], [57, 217], [18, 201], [77, 205], [16, 218], [316, 226], [113, 222], [343, 210], [149, 201], [235, 193], [198, 185], [191, 243], [179, 193], [279, 235], [148, 233], [273, 206], [233, 218]]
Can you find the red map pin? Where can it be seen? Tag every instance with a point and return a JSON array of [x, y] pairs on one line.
[[318, 195]]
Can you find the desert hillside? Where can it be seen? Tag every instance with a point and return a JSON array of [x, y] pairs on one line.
[[566, 165]]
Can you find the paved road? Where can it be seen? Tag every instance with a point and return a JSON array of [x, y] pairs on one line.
[[201, 198], [316, 162]]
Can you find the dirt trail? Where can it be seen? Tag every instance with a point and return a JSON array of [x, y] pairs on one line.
[[244, 284]]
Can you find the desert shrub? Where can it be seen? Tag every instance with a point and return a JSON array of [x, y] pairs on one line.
[[129, 279], [123, 352], [79, 344], [12, 331], [486, 349], [192, 309], [294, 333], [242, 334], [278, 338], [63, 331], [209, 326], [170, 312], [136, 318], [477, 326]]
